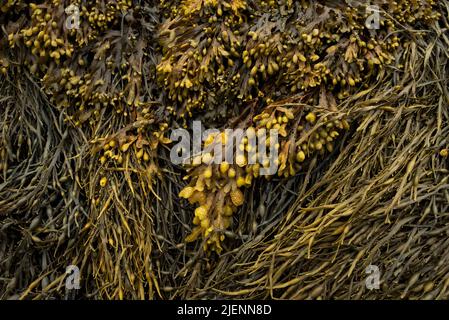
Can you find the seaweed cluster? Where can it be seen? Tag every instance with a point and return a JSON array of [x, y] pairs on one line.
[[300, 138]]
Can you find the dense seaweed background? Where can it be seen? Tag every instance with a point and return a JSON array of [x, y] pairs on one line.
[[379, 196]]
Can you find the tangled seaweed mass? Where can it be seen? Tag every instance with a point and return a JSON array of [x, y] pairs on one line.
[[86, 178]]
